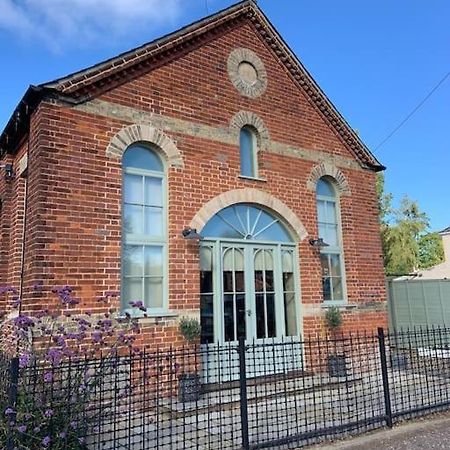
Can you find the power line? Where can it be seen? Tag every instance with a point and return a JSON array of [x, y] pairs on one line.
[[412, 112]]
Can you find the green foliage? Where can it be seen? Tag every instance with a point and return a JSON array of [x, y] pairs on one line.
[[333, 318], [431, 250], [189, 328], [407, 244]]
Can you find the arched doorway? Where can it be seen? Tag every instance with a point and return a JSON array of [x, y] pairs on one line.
[[249, 279]]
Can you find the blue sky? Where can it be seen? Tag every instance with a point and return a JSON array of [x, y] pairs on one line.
[[375, 60]]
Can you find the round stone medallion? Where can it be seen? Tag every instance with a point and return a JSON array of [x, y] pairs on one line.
[[247, 72]]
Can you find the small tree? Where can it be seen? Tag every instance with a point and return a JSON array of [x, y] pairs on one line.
[[190, 329]]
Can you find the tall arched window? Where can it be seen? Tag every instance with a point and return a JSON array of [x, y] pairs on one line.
[[248, 152], [144, 236], [330, 231]]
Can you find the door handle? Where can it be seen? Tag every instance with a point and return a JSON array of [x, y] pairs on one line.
[[249, 312]]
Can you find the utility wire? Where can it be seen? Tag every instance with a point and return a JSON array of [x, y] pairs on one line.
[[412, 112]]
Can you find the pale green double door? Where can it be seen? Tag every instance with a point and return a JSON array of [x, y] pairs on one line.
[[249, 290]]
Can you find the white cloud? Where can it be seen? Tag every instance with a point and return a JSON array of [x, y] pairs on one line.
[[82, 22]]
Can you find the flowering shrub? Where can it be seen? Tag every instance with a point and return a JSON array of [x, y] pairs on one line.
[[64, 360]]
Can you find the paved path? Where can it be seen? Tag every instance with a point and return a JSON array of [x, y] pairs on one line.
[[430, 433]]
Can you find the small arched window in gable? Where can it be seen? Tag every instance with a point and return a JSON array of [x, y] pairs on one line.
[[248, 152], [331, 256], [144, 235]]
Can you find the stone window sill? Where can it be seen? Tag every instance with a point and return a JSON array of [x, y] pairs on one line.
[[244, 177], [340, 305]]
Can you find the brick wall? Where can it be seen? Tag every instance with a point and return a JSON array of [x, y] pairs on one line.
[[74, 216]]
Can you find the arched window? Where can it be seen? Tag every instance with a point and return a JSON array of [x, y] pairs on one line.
[[248, 152], [330, 231], [144, 236]]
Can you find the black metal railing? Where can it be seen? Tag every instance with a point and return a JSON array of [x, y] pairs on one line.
[[282, 393]]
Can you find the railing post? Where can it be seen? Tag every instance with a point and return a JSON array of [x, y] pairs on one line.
[[12, 400], [243, 394], [385, 377]]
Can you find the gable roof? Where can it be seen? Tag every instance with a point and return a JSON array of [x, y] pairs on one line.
[[445, 231], [83, 85]]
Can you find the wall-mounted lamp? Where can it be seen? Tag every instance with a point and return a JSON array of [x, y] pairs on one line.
[[9, 171], [318, 243], [190, 233]]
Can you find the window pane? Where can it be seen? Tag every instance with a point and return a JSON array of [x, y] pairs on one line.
[[332, 235], [132, 260], [140, 157], [288, 263], [153, 191], [241, 314], [338, 293], [132, 219], [207, 319], [324, 264], [321, 213], [132, 291], [206, 282], [228, 317], [153, 292], [331, 212], [205, 259], [288, 282], [133, 189], [335, 265], [271, 322], [260, 316], [247, 142], [323, 232], [326, 283], [325, 188], [290, 314], [153, 261], [153, 222]]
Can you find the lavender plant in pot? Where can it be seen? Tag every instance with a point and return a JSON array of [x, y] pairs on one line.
[[337, 365], [190, 387]]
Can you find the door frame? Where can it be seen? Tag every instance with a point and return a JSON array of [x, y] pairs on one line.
[[218, 317]]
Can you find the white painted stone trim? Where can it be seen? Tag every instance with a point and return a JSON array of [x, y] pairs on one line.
[[144, 133], [249, 195]]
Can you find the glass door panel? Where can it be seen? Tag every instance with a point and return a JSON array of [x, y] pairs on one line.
[[234, 293]]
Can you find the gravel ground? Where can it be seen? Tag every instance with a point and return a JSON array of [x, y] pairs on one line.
[[430, 433]]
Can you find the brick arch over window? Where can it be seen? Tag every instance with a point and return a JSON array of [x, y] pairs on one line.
[[145, 133], [327, 169], [250, 196], [243, 118]]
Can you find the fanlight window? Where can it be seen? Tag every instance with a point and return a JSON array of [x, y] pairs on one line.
[[247, 222]]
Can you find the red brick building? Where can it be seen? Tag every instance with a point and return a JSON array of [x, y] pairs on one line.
[[216, 130]]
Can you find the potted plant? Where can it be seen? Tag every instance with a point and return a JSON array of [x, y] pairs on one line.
[[337, 366], [189, 389]]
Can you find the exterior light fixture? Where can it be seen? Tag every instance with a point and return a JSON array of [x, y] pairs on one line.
[[318, 243], [191, 234], [9, 172]]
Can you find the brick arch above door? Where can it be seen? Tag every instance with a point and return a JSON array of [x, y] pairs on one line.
[[145, 133], [249, 195]]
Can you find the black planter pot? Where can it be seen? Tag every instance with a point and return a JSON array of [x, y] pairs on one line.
[[189, 387], [337, 366]]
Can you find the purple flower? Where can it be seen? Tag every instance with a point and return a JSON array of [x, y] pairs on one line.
[[139, 305], [48, 413], [74, 424], [55, 356], [48, 377], [24, 360], [9, 411], [23, 322], [36, 430], [22, 428], [46, 441], [96, 337], [62, 435]]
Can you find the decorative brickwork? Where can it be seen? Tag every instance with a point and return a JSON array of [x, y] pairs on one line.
[[327, 169], [247, 72], [144, 133], [243, 118]]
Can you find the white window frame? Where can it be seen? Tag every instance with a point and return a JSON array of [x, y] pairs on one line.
[[335, 250], [144, 240], [254, 153]]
